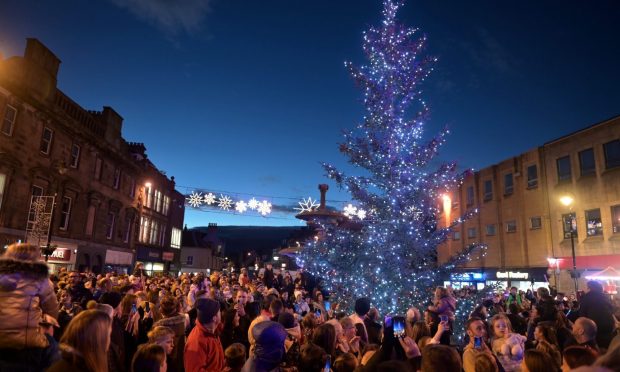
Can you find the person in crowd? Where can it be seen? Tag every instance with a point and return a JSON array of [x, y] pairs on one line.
[[484, 362], [203, 349], [325, 337], [505, 344], [292, 344], [373, 326], [231, 333], [546, 341], [264, 316], [346, 362], [235, 356], [164, 337], [536, 361], [171, 318], [444, 306], [149, 358], [301, 306], [611, 359], [26, 296], [269, 349], [362, 307], [514, 298], [440, 358], [584, 334], [139, 272], [595, 305], [480, 312], [268, 276], [116, 354], [79, 293], [577, 356], [85, 343], [477, 331], [104, 285], [519, 324], [68, 310]]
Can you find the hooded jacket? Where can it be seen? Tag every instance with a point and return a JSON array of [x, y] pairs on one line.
[[26, 293]]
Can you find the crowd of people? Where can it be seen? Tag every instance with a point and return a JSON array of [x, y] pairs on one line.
[[72, 321]]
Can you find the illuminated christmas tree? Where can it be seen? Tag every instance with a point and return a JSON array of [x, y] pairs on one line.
[[392, 256]]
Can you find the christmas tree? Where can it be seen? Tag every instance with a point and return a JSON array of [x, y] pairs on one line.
[[391, 256]]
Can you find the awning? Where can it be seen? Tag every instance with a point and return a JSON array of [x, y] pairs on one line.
[[608, 274], [597, 262]]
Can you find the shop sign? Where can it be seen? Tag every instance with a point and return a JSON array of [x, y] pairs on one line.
[[168, 256], [511, 275], [154, 254], [60, 254]]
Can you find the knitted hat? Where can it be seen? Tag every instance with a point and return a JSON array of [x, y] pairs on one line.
[[207, 309], [362, 306], [269, 334], [287, 320]]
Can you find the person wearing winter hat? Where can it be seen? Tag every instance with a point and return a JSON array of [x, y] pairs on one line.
[[203, 349], [269, 349], [292, 344]]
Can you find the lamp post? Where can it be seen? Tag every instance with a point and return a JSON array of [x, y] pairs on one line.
[[567, 201]]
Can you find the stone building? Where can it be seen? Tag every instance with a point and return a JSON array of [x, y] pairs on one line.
[[521, 220], [111, 202]]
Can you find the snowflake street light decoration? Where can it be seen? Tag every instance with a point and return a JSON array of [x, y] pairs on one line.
[[253, 204], [225, 202], [307, 205], [264, 207], [241, 206], [350, 210], [195, 199], [361, 214], [209, 199]]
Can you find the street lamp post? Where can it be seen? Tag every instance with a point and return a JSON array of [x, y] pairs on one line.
[[568, 201]]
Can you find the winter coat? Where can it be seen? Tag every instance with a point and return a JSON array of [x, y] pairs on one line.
[[26, 293], [71, 361], [177, 324], [596, 306], [446, 306], [203, 351]]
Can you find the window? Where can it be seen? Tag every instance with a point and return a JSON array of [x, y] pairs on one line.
[[75, 156], [132, 187], [34, 192], [175, 238], [149, 196], [535, 223], [117, 178], [189, 260], [508, 184], [145, 229], [162, 234], [2, 183], [166, 207], [98, 168], [612, 154], [569, 224], [587, 164], [110, 225], [158, 201], [471, 232], [564, 172], [615, 218], [65, 212], [532, 176], [511, 226], [9, 120], [594, 225], [90, 220], [490, 229], [488, 190], [46, 141], [128, 223], [154, 239], [470, 196]]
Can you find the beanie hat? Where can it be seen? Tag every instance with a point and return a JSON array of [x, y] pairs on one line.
[[287, 320], [207, 309], [111, 298], [362, 306], [269, 334]]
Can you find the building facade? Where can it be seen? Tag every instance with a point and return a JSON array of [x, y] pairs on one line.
[[524, 225], [111, 202]]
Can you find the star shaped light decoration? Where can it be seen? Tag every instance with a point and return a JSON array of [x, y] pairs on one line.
[[350, 210], [225, 202], [307, 205], [195, 199]]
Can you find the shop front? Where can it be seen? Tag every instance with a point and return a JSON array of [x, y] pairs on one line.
[[464, 279], [152, 258], [63, 257], [118, 261], [523, 279]]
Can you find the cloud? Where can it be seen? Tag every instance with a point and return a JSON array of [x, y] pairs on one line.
[[490, 53], [172, 16], [269, 179]]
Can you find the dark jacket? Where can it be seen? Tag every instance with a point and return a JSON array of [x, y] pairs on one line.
[[69, 361], [597, 306], [177, 324]]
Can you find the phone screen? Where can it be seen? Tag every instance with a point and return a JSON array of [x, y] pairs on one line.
[[399, 326], [328, 364], [327, 305], [477, 343], [444, 318], [317, 313]]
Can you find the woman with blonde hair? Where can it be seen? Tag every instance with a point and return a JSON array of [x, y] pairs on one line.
[[85, 343]]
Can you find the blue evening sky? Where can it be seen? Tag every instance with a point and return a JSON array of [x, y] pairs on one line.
[[248, 96]]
